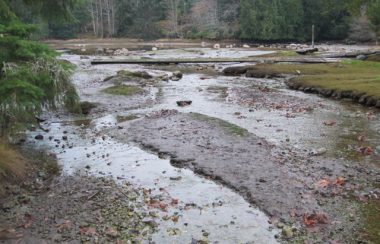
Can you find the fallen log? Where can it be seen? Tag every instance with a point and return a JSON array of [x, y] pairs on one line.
[[213, 60]]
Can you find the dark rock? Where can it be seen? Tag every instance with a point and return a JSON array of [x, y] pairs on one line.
[[176, 178], [184, 103], [307, 51], [39, 137]]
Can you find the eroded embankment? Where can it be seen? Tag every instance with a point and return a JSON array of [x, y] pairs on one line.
[[288, 187]]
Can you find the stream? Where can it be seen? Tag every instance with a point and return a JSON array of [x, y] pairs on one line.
[[271, 112]]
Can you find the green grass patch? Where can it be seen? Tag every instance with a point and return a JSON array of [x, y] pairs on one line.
[[349, 76], [123, 90], [280, 54], [231, 128]]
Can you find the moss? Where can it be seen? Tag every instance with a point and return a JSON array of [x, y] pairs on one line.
[[135, 74], [123, 90], [371, 215], [121, 118], [231, 128]]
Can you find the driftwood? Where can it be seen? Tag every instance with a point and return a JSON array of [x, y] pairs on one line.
[[214, 60], [307, 51]]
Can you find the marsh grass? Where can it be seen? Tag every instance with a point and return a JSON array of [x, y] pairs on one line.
[[123, 90], [362, 77]]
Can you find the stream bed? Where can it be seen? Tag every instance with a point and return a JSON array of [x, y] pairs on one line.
[[291, 122]]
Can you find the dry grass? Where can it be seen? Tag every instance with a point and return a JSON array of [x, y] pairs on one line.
[[12, 165]]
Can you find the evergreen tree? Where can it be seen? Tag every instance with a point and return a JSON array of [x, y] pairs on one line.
[[31, 78]]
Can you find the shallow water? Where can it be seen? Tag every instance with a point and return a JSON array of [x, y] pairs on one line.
[[216, 210], [206, 210]]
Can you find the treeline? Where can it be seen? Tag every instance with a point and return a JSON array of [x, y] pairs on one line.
[[262, 20]]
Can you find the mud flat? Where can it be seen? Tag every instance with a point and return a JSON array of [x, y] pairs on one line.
[[283, 185]]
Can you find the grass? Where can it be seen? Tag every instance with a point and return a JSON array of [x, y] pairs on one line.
[[17, 166], [123, 90], [280, 54], [231, 128], [349, 76]]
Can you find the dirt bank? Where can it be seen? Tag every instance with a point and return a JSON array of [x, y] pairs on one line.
[[289, 187]]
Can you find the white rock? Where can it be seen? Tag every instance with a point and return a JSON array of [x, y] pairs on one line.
[[217, 46], [154, 48], [246, 46]]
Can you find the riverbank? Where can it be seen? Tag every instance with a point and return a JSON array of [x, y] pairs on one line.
[[352, 79]]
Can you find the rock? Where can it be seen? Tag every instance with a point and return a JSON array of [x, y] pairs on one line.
[[361, 57], [184, 103], [121, 52], [177, 75], [203, 44], [174, 78], [318, 152], [64, 138], [39, 137], [154, 49], [307, 51], [176, 178], [246, 46], [217, 46]]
